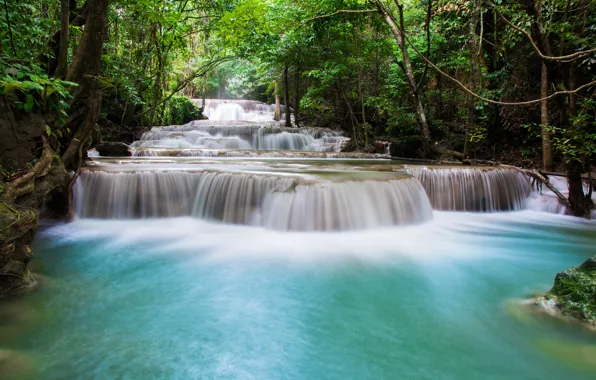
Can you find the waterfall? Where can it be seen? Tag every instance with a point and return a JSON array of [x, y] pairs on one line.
[[237, 109], [164, 152], [221, 196], [246, 137], [276, 201], [347, 205], [473, 189]]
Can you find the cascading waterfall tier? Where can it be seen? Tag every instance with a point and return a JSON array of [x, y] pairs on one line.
[[323, 206], [273, 200], [196, 135], [153, 152], [237, 109], [473, 189]]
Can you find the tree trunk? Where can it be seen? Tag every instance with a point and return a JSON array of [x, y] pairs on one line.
[[297, 97], [277, 116], [576, 189], [574, 167], [287, 98], [63, 52], [84, 70], [474, 75], [547, 157], [407, 66], [204, 95]]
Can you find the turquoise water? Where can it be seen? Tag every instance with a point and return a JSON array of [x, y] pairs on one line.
[[184, 299]]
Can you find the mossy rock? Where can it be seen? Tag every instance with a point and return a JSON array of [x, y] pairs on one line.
[[574, 292], [15, 221]]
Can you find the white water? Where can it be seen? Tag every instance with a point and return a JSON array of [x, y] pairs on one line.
[[246, 129], [197, 135], [238, 109], [473, 189], [275, 200], [325, 206]]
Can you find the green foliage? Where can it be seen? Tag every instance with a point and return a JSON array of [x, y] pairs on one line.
[[182, 110], [28, 89], [31, 23], [345, 68]]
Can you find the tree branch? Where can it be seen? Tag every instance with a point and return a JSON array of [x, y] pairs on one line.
[[181, 85], [569, 57], [466, 89], [338, 12]]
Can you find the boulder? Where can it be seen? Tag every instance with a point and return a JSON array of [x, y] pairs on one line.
[[573, 295], [113, 149]]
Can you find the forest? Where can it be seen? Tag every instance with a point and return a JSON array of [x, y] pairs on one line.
[[506, 81]]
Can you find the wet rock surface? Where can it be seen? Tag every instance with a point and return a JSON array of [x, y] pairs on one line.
[[573, 295], [17, 229], [113, 149]]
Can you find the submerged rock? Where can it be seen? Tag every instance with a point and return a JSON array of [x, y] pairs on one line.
[[14, 365], [113, 149], [573, 296]]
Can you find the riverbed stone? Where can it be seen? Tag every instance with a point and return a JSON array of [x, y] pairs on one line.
[[573, 295]]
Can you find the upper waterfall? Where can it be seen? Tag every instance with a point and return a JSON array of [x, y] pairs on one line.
[[245, 125], [237, 109]]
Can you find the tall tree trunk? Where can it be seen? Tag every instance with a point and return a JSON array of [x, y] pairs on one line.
[[84, 70], [565, 105], [63, 50], [474, 75], [204, 94], [409, 72], [297, 97], [287, 97], [277, 115], [547, 156], [573, 166]]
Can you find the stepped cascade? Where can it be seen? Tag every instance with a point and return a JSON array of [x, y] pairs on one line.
[[286, 201], [249, 169], [473, 189], [206, 134]]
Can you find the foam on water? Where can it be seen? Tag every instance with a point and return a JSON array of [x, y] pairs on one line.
[[441, 239]]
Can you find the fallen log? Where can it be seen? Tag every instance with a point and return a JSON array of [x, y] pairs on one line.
[[543, 179]]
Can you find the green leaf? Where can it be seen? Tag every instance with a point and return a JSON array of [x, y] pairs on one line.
[[29, 103]]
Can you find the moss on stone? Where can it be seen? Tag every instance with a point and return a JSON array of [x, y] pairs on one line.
[[574, 292]]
